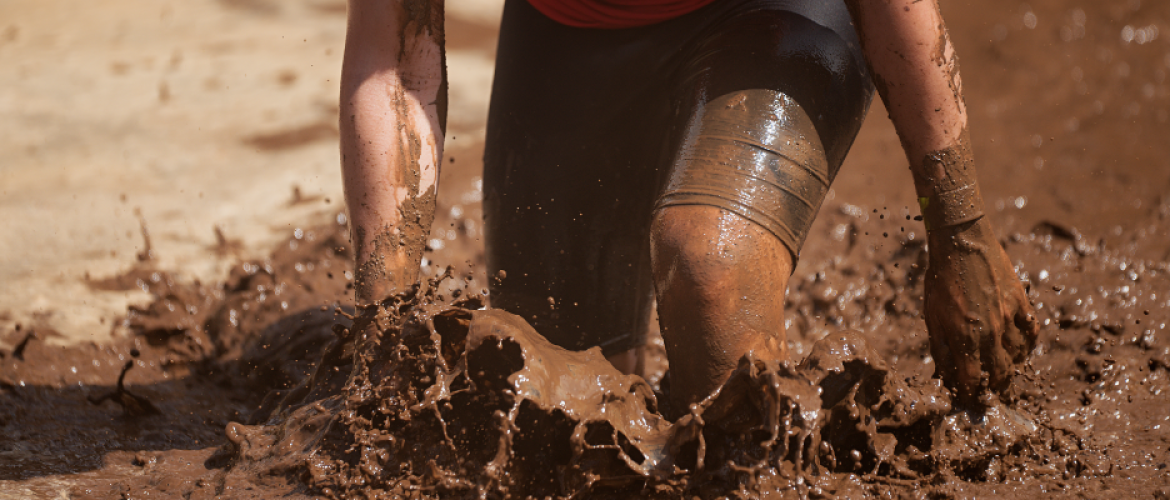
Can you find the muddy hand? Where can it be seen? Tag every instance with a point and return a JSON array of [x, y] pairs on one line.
[[981, 325]]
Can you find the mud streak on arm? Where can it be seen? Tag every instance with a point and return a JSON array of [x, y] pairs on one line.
[[393, 114]]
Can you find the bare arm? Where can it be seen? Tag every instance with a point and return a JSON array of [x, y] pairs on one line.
[[980, 321], [917, 74], [393, 109]]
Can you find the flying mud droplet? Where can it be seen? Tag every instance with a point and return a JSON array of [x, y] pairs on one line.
[[475, 402]]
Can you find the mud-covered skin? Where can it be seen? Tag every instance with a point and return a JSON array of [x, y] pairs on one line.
[[982, 325], [391, 181], [392, 264], [371, 277], [746, 187], [954, 196], [947, 58], [916, 71], [980, 321], [721, 281]]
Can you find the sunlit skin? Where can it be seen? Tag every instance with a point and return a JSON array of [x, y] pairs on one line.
[[720, 280], [977, 311], [388, 95], [706, 260]]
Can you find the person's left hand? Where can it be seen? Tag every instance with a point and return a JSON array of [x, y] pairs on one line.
[[981, 324]]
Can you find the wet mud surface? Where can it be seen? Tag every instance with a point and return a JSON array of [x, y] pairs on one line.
[[249, 388]]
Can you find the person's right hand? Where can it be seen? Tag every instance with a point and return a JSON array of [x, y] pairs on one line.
[[981, 324]]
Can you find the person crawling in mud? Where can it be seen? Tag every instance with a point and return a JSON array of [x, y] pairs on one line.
[[678, 150]]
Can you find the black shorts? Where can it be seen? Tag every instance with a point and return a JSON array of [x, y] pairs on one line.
[[586, 126]]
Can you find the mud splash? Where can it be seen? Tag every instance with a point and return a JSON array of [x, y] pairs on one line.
[[460, 402], [449, 400], [1073, 143]]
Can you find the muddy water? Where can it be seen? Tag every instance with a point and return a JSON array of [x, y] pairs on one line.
[[451, 401], [1069, 114]]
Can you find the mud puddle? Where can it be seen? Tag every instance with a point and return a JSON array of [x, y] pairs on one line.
[[453, 401], [457, 402]]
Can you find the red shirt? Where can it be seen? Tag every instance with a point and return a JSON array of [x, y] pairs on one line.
[[613, 14]]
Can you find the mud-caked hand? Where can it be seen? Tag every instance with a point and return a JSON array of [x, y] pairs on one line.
[[981, 324]]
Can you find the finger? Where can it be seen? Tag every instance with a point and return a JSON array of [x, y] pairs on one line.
[[965, 356], [940, 345], [1014, 343], [1027, 323], [1026, 331], [940, 349], [996, 356]]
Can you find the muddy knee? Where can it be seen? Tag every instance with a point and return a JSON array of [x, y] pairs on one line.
[[739, 200], [757, 154], [720, 281], [715, 254], [703, 248]]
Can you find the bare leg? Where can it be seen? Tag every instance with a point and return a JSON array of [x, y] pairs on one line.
[[720, 281]]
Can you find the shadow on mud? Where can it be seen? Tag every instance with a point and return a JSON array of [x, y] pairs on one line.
[[53, 427]]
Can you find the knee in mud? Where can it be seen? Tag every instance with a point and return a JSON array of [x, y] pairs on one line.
[[701, 246]]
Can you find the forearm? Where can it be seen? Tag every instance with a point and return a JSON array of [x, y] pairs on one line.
[[916, 71], [392, 95], [980, 322]]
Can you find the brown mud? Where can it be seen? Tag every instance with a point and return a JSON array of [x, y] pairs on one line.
[[255, 393], [451, 401]]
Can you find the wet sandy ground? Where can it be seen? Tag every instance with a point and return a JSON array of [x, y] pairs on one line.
[[1070, 111], [201, 119]]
